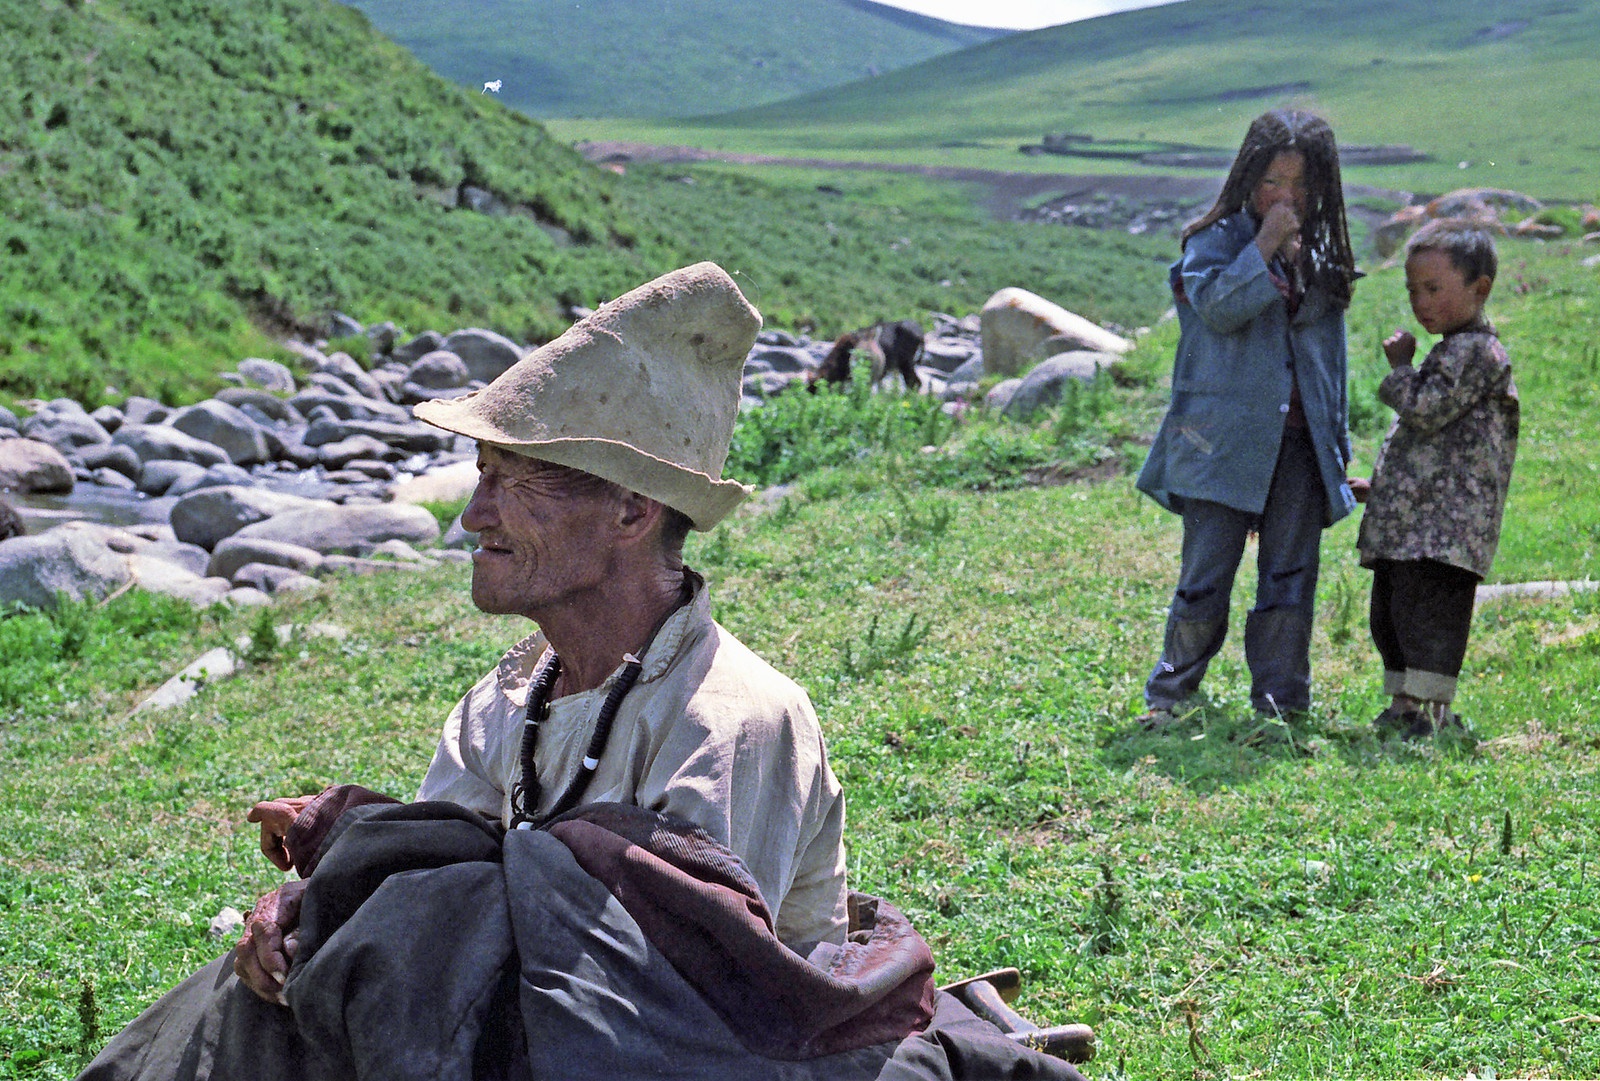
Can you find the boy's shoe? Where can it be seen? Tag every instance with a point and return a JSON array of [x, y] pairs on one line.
[[1414, 724], [1391, 721]]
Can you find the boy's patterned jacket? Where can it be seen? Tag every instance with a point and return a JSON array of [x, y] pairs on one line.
[[1439, 486]]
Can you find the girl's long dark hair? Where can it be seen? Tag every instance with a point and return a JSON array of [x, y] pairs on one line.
[[1325, 256]]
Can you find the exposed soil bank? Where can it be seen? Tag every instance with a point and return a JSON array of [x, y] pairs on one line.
[[1008, 192]]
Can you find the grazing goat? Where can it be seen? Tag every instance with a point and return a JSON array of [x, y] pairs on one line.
[[492, 88], [835, 367], [892, 347], [900, 345]]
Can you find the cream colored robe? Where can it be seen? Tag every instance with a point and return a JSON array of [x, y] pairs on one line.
[[710, 733]]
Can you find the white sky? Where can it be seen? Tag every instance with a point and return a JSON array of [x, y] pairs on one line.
[[1018, 14]]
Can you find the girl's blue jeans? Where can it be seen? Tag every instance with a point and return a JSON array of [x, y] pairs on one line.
[[1277, 630]]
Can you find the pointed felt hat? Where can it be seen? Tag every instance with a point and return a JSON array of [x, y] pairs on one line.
[[643, 393]]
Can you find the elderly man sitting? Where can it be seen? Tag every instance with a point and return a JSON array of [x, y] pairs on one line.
[[626, 858]]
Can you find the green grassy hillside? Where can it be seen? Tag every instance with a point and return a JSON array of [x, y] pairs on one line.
[[661, 57], [1508, 86], [182, 178]]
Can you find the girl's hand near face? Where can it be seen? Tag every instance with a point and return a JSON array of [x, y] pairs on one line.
[[1279, 233]]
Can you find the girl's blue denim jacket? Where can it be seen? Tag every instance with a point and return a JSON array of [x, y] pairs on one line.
[[1231, 379]]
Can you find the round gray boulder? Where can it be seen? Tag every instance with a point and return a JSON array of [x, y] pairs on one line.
[[234, 552], [223, 425], [352, 530], [27, 465], [485, 353], [206, 516], [439, 370], [65, 430], [158, 442], [65, 561], [1042, 386], [269, 375]]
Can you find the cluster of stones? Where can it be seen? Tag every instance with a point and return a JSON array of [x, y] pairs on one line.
[[1490, 207], [1132, 216], [1034, 345], [278, 480]]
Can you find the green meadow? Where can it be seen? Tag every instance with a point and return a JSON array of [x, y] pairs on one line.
[[1241, 898], [973, 604], [1507, 87]]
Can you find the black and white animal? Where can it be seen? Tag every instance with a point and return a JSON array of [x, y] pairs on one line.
[[892, 347], [492, 88]]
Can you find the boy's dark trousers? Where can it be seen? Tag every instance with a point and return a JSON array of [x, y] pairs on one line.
[[1421, 616]]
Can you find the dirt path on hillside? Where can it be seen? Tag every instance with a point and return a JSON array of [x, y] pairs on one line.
[[1008, 192]]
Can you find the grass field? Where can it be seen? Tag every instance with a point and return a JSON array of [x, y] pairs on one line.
[[1506, 87], [1242, 898]]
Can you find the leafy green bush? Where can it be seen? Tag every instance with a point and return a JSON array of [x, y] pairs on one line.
[[796, 433], [39, 651]]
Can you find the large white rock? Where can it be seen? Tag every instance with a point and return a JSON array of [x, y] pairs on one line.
[[65, 560], [1017, 325], [353, 530], [447, 484], [27, 465]]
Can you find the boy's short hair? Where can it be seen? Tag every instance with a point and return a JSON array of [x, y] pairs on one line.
[[1468, 245]]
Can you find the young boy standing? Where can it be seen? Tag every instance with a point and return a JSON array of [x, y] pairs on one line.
[[1439, 486]]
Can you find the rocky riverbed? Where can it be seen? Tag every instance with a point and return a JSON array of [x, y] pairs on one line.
[[295, 471]]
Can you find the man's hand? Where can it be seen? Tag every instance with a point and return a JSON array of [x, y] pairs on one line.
[[1399, 348], [276, 816], [1279, 233], [268, 945]]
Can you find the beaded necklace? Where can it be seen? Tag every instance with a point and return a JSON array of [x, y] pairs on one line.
[[525, 790]]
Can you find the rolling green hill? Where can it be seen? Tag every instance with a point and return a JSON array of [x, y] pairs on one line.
[[1508, 86], [661, 57], [183, 179]]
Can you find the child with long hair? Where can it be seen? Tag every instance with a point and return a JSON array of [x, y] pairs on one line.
[[1256, 438]]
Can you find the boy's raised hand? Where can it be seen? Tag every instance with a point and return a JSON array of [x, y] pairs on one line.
[[1399, 348]]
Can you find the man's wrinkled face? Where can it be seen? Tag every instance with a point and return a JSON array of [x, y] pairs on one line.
[[544, 534]]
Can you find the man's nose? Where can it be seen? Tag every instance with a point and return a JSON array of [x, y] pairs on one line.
[[479, 512]]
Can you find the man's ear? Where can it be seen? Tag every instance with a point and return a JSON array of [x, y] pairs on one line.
[[637, 515]]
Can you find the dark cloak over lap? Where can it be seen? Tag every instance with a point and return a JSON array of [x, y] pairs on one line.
[[617, 944]]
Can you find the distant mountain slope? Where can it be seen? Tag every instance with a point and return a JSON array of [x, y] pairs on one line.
[[661, 57], [1509, 86]]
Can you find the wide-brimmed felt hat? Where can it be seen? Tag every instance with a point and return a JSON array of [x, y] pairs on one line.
[[643, 393]]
